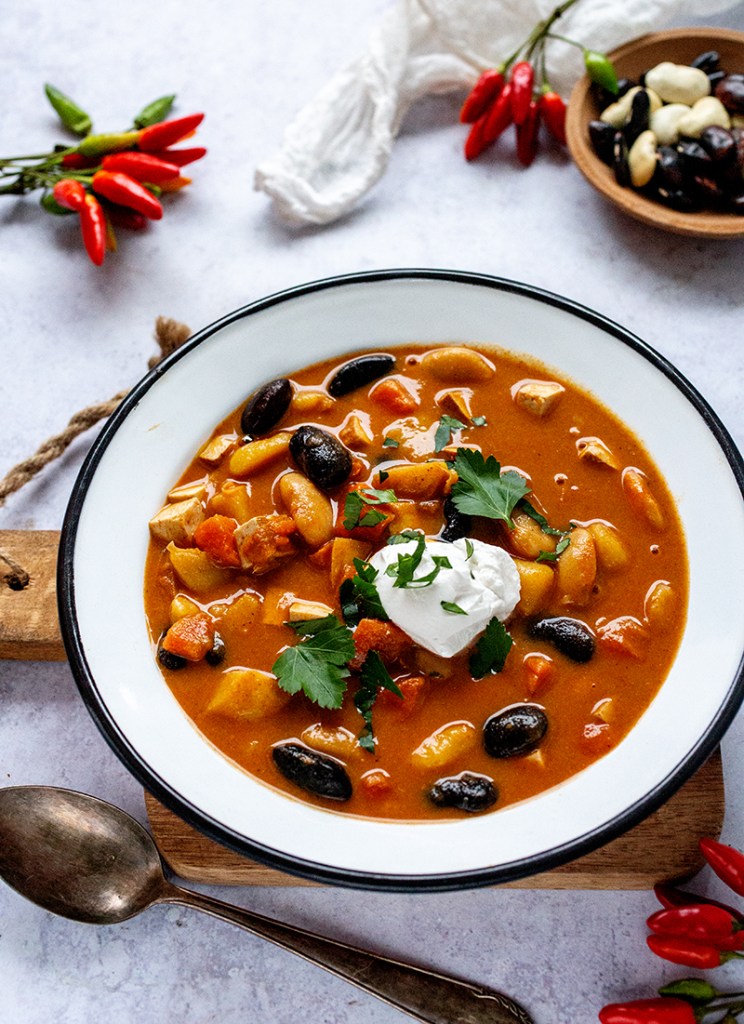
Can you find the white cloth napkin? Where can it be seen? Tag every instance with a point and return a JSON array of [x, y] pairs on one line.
[[339, 145]]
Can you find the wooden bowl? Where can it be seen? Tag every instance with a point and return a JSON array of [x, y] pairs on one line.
[[679, 46]]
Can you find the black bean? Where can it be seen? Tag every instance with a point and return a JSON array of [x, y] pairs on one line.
[[467, 792], [169, 660], [677, 199], [312, 771], [265, 407], [637, 121], [714, 77], [604, 97], [516, 730], [709, 190], [620, 160], [736, 204], [602, 138], [569, 636], [358, 372], [708, 61], [721, 147], [730, 91], [216, 654], [694, 158], [670, 172], [320, 456], [456, 523]]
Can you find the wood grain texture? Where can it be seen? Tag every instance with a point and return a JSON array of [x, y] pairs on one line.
[[29, 626], [664, 847], [679, 46]]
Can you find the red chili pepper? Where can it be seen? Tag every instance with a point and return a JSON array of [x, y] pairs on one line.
[[687, 953], [648, 1011], [553, 113], [123, 217], [522, 80], [726, 861], [180, 157], [78, 162], [160, 136], [70, 194], [527, 135], [93, 228], [125, 191], [175, 184], [697, 921], [141, 166], [489, 125], [480, 97]]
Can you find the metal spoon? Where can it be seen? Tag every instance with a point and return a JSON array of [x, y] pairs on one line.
[[85, 859]]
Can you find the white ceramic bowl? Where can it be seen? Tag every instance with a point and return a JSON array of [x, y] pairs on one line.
[[151, 438]]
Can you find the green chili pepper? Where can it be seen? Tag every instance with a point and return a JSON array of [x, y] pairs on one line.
[[70, 114], [692, 990], [112, 142], [154, 112], [601, 70], [50, 204]]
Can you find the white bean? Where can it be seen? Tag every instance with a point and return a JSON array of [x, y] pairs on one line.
[[642, 159], [664, 122], [678, 83], [706, 112]]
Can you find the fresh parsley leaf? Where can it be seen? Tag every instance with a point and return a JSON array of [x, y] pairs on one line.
[[357, 511], [483, 490], [552, 556], [491, 650], [469, 548], [404, 536], [317, 664], [403, 571], [455, 609], [444, 431], [374, 676], [390, 442], [551, 531], [359, 597], [479, 421]]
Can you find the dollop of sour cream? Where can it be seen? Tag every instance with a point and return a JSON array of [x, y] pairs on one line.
[[483, 582]]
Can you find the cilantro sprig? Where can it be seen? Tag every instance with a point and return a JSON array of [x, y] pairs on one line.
[[358, 510], [374, 677], [491, 650], [448, 424], [317, 664], [483, 490], [403, 571], [359, 596]]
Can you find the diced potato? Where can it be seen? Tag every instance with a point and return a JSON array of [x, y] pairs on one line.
[[660, 604], [311, 401], [354, 433], [527, 539], [238, 616], [594, 450], [276, 605], [334, 740], [301, 611], [247, 694], [445, 745], [624, 635], [345, 550], [215, 450], [536, 584], [455, 364], [577, 569], [640, 498], [536, 759], [537, 397], [309, 507], [182, 605], [450, 451], [264, 542], [604, 709], [177, 522], [232, 499], [193, 489], [196, 570], [426, 516], [420, 480], [254, 455], [456, 402], [432, 664], [612, 554]]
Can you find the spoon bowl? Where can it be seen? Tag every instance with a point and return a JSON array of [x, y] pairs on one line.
[[87, 860]]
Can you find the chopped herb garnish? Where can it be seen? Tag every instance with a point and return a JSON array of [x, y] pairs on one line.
[[455, 609], [374, 677], [551, 531], [357, 510], [317, 664], [404, 536], [483, 490], [469, 548], [443, 435], [552, 556], [403, 571], [491, 650], [383, 475], [479, 421], [390, 442], [359, 597]]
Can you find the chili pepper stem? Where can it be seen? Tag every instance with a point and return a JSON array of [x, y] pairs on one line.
[[565, 39]]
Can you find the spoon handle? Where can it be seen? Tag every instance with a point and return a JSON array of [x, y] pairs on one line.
[[427, 996]]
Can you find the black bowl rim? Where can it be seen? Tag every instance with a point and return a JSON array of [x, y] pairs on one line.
[[439, 882]]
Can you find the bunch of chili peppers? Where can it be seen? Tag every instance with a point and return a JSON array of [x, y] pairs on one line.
[[695, 932], [107, 179], [518, 92]]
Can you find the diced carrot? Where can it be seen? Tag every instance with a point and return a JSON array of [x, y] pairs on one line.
[[191, 637], [371, 534], [624, 635], [216, 536], [412, 690], [376, 783], [394, 395], [390, 642], [321, 558], [538, 671]]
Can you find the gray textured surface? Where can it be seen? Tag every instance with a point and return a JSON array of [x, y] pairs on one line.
[[74, 334]]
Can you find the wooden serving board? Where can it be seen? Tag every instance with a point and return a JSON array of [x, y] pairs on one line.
[[663, 847]]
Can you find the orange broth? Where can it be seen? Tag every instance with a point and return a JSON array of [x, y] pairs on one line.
[[590, 707]]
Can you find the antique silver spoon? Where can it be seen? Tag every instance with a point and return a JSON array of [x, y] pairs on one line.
[[85, 859]]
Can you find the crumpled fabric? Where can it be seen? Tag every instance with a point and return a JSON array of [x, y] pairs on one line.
[[339, 145]]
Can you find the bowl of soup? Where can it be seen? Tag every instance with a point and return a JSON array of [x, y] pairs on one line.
[[409, 580]]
